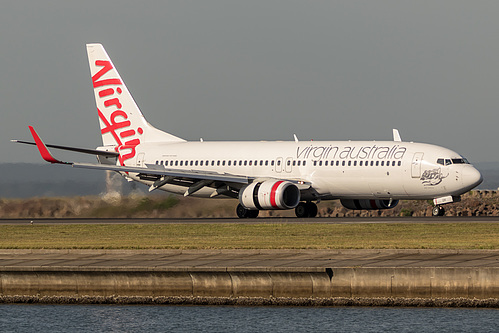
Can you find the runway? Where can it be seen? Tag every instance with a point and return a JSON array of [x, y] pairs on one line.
[[275, 220]]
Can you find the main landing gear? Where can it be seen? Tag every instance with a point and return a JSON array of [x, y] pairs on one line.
[[246, 213], [438, 211], [306, 209]]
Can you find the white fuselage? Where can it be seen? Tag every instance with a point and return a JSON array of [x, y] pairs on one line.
[[335, 169]]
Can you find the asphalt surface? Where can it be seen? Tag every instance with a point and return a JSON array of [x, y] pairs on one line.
[[326, 220], [251, 260]]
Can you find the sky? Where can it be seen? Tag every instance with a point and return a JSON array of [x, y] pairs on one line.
[[257, 70]]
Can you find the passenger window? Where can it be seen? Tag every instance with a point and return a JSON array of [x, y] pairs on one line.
[[272, 163], [400, 163], [349, 163], [315, 163], [304, 163], [266, 163], [377, 163], [320, 163], [382, 163], [354, 163], [343, 163], [196, 163]]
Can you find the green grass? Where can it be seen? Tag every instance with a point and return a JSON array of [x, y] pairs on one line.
[[260, 236]]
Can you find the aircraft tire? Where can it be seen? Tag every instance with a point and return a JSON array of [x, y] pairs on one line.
[[438, 211], [312, 209], [246, 213], [301, 210], [241, 211], [252, 214], [306, 209]]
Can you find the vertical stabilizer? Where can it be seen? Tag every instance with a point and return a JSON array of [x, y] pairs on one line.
[[121, 122]]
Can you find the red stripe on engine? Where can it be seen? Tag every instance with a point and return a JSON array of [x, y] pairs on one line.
[[273, 192]]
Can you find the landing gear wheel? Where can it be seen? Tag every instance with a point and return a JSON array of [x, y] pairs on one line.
[[438, 211], [301, 210], [252, 214], [306, 209], [241, 211], [246, 213], [312, 209]]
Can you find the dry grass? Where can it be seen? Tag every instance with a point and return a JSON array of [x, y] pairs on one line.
[[260, 236]]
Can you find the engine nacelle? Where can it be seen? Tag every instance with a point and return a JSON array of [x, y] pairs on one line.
[[368, 204], [270, 194]]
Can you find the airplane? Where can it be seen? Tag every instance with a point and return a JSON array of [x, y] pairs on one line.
[[370, 175]]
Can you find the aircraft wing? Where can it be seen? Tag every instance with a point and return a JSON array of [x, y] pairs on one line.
[[150, 170], [193, 179]]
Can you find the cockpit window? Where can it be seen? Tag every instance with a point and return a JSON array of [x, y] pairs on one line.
[[449, 161], [460, 161]]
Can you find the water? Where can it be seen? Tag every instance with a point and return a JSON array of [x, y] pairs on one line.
[[113, 318]]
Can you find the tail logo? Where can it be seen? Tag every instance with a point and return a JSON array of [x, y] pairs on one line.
[[117, 124]]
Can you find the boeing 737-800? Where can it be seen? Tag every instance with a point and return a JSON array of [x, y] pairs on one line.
[[265, 175]]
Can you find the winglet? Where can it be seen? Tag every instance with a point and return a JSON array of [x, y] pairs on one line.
[[46, 155], [396, 135]]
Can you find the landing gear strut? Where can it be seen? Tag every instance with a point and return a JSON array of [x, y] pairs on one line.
[[438, 211], [246, 213], [306, 209]]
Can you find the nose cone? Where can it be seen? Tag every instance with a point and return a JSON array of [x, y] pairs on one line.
[[471, 177]]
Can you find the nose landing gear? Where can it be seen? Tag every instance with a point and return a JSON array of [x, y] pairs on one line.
[[438, 211]]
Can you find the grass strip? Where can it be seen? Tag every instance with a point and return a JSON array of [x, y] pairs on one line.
[[260, 236]]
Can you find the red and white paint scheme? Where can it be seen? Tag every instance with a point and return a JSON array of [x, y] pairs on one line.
[[264, 175]]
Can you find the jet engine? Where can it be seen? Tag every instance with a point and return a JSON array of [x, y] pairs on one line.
[[270, 194], [368, 204]]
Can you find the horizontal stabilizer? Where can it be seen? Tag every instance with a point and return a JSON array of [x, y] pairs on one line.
[[75, 149]]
